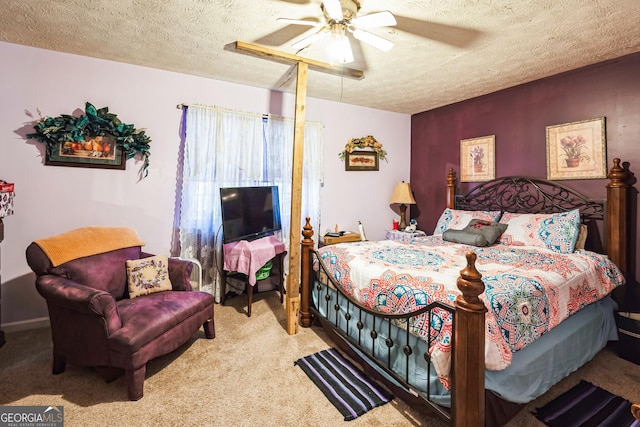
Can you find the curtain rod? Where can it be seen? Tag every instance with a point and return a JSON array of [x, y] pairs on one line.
[[181, 106], [264, 115]]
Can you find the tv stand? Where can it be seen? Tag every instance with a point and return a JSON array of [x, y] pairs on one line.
[[244, 258], [259, 236]]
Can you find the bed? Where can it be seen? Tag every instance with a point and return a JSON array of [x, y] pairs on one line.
[[449, 336]]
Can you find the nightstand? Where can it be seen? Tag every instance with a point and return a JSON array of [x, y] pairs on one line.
[[403, 236], [348, 236]]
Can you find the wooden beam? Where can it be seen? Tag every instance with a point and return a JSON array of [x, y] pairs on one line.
[[287, 77], [293, 278], [287, 58], [302, 66]]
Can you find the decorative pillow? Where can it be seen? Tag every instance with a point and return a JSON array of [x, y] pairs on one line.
[[557, 232], [582, 237], [457, 219], [148, 275], [478, 233]]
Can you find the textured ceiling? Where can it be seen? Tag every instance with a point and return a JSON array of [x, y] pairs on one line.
[[445, 50]]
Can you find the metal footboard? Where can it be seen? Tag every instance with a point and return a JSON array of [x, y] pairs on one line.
[[382, 338]]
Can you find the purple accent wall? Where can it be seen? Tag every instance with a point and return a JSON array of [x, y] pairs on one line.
[[518, 118]]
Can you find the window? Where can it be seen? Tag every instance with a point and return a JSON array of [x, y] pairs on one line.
[[225, 148]]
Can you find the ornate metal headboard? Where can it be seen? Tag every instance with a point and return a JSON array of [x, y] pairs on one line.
[[529, 195], [533, 195], [608, 221]]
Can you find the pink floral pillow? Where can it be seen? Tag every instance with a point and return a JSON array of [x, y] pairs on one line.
[[558, 232], [459, 219]]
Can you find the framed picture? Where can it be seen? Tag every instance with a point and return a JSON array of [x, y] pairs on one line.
[[361, 161], [99, 152], [577, 150], [478, 159]]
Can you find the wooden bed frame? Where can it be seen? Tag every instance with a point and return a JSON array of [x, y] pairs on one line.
[[515, 194]]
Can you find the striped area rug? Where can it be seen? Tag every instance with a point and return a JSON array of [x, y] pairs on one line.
[[349, 389], [586, 405]]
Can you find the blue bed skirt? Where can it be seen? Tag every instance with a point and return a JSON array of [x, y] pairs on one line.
[[533, 370]]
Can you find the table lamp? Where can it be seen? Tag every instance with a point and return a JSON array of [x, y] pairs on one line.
[[402, 194]]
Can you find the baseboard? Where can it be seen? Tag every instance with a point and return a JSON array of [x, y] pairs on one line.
[[25, 325]]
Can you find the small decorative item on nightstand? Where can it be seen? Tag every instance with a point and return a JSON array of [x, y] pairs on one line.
[[403, 236]]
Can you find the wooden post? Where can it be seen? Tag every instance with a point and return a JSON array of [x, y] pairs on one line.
[[616, 220], [305, 275], [293, 292], [467, 404], [303, 65]]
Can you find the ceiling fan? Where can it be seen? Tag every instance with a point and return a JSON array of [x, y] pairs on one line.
[[341, 17]]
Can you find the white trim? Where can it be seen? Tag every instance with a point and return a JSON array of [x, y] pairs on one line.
[[24, 325]]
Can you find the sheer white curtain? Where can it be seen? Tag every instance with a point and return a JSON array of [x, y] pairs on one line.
[[280, 155], [226, 148]]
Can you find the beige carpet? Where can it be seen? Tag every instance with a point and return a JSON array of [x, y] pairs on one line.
[[244, 377]]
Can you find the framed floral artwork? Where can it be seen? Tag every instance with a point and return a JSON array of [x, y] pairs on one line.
[[361, 161], [577, 150], [478, 159]]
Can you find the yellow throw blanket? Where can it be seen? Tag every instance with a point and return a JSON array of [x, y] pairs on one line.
[[87, 241]]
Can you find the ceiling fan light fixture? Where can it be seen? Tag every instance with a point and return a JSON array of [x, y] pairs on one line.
[[340, 48], [340, 16], [341, 51]]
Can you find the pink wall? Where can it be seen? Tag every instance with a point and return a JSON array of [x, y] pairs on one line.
[[51, 200], [518, 117]]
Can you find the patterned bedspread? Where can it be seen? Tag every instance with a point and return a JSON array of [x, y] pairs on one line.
[[529, 290]]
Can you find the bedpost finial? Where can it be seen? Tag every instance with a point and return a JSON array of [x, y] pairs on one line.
[[617, 174], [451, 177], [307, 230], [451, 189], [471, 285], [635, 410]]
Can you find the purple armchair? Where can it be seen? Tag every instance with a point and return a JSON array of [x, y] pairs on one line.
[[94, 323]]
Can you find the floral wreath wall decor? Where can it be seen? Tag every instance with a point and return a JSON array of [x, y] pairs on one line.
[[363, 160], [95, 139]]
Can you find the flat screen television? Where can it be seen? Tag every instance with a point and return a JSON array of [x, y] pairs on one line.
[[249, 213]]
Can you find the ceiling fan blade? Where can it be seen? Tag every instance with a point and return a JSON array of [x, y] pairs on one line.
[[333, 9], [300, 44], [378, 19], [374, 40], [460, 37], [299, 22]]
